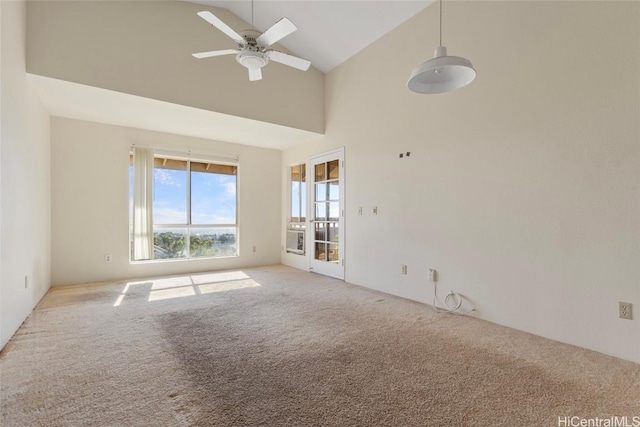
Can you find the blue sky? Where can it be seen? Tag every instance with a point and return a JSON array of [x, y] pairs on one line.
[[213, 197]]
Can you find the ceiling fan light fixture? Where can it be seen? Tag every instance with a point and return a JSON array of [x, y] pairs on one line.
[[252, 60], [252, 52], [441, 74]]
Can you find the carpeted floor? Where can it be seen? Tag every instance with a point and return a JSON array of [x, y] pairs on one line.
[[275, 346]]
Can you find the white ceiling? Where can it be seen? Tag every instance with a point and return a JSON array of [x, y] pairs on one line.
[[329, 32]]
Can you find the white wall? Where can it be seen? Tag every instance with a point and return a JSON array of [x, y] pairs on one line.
[[25, 181], [522, 189], [90, 187]]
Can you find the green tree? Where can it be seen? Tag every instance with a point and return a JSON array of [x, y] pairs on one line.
[[171, 245]]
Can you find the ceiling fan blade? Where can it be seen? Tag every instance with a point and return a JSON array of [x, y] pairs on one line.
[[216, 22], [278, 31], [201, 55], [255, 74], [290, 60]]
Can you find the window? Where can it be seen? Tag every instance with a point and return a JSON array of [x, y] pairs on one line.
[[194, 209], [298, 207]]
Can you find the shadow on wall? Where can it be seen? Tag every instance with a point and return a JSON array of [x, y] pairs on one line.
[[186, 286]]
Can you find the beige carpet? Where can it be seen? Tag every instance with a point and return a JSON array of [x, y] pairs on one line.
[[276, 346]]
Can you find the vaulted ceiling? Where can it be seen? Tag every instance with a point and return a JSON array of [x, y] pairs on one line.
[[329, 32], [101, 76]]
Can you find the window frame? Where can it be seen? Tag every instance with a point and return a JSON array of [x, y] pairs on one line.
[[301, 223], [189, 225]]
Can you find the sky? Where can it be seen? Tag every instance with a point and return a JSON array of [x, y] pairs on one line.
[[213, 197]]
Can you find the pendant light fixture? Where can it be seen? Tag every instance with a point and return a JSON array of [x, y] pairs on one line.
[[442, 73]]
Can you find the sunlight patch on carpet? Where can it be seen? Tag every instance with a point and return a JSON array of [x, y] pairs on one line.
[[185, 291], [189, 285], [228, 286]]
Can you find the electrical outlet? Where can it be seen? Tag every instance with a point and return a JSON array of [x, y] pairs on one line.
[[624, 309], [255, 249], [107, 258], [432, 275], [359, 210], [26, 282], [404, 269], [375, 210]]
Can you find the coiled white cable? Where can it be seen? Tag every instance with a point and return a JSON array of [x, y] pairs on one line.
[[449, 302]]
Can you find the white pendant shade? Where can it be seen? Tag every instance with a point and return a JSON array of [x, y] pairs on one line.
[[441, 74]]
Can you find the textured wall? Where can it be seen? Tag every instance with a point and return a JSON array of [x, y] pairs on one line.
[[522, 189]]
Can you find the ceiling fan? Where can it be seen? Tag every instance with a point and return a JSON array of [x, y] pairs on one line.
[[252, 52]]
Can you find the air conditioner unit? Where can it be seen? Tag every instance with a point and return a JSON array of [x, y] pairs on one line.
[[295, 241]]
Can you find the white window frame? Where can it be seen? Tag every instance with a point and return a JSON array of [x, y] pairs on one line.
[[301, 224], [189, 226]]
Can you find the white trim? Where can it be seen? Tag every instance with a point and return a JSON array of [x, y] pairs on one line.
[[334, 270], [327, 153], [300, 199], [190, 158], [189, 155]]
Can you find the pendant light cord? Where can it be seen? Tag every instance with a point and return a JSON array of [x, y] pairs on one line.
[[252, 27], [440, 23]]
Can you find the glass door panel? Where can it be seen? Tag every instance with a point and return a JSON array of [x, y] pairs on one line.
[[321, 211], [334, 169], [332, 253], [321, 191], [334, 211], [321, 172], [328, 194], [334, 190], [320, 231], [321, 251], [333, 233]]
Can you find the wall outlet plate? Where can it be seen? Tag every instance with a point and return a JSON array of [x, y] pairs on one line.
[[624, 309]]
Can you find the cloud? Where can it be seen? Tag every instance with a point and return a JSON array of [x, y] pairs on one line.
[[168, 215], [214, 218], [230, 189], [213, 198], [213, 211], [166, 177]]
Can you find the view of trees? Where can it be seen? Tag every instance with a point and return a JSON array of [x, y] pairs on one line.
[[169, 244], [188, 197]]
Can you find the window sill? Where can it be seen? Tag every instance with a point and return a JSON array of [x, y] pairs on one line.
[[162, 261]]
